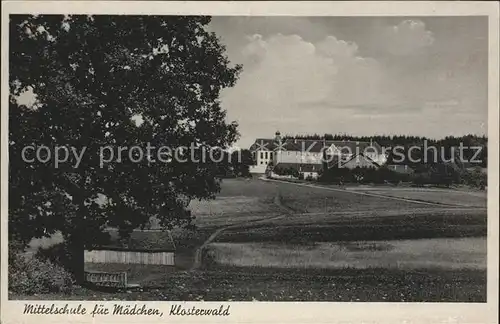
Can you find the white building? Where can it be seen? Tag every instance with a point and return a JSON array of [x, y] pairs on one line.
[[306, 151]]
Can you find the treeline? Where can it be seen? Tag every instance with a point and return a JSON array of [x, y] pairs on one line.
[[386, 140]]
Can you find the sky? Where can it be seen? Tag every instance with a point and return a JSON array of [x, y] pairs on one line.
[[422, 76]]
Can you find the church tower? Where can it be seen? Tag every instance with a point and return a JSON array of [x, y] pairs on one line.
[[278, 143], [278, 140]]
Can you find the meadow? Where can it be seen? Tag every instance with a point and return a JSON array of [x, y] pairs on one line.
[[461, 253], [367, 225], [427, 240], [279, 241], [273, 284], [464, 198]]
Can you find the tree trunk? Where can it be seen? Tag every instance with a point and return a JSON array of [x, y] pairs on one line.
[[76, 250], [77, 242]]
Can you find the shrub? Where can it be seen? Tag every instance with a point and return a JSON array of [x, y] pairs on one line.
[[286, 171], [57, 254], [33, 275], [475, 178], [208, 257], [441, 174], [363, 175]]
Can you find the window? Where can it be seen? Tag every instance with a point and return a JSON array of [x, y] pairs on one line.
[[270, 155], [265, 154], [261, 154]]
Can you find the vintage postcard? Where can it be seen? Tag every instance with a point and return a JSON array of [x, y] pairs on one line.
[[249, 162]]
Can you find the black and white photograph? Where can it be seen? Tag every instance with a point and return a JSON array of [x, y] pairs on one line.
[[230, 158]]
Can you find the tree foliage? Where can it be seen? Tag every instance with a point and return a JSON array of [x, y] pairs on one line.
[[90, 77]]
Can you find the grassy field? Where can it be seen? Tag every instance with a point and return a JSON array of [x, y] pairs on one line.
[[256, 284], [225, 211], [452, 197], [239, 201], [401, 248], [313, 200], [468, 253], [247, 187], [373, 225], [317, 197], [419, 244]]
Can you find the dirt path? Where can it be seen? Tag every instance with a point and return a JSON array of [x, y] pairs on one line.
[[285, 211], [354, 192]]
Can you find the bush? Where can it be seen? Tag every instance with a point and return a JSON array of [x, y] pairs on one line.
[[32, 275], [421, 179], [441, 175], [57, 254], [286, 171], [475, 178], [363, 175]]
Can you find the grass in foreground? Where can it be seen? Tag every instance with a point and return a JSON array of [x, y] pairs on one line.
[[347, 285]]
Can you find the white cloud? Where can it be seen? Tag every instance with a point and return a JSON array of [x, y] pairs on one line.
[[298, 85], [333, 47], [295, 81], [408, 37], [286, 69]]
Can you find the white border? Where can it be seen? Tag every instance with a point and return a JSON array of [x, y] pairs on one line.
[[283, 312]]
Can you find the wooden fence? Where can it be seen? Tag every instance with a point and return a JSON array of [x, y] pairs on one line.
[[107, 279], [129, 257]]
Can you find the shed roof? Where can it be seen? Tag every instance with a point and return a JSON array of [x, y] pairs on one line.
[[140, 241]]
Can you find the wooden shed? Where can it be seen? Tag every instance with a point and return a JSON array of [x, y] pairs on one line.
[[144, 254]]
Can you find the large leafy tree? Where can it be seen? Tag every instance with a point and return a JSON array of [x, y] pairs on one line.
[[89, 77]]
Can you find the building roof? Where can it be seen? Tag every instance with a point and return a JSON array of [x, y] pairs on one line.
[[262, 144], [355, 147], [316, 146], [360, 160], [140, 241], [356, 160]]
